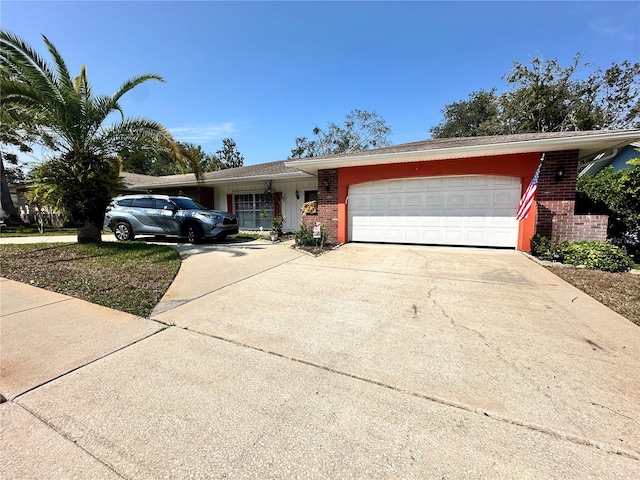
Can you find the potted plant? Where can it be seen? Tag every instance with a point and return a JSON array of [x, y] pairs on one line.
[[276, 223]]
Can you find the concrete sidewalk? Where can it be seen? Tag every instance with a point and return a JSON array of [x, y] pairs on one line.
[[47, 239], [268, 375]]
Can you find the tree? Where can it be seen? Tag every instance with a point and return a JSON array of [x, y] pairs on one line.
[[546, 96], [477, 116], [71, 122], [543, 96], [228, 156], [616, 194], [15, 131], [140, 158], [361, 130]]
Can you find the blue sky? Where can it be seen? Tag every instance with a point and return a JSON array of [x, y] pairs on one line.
[[264, 73]]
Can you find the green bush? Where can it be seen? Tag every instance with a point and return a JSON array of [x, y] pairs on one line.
[[615, 194], [597, 256], [559, 250], [593, 255], [304, 236], [541, 246]]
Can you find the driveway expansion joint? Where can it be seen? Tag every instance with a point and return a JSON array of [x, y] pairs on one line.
[[605, 447], [163, 328], [44, 305], [52, 427], [178, 303]]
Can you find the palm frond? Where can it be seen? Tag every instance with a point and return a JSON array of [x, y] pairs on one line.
[[26, 64], [62, 72], [134, 82]]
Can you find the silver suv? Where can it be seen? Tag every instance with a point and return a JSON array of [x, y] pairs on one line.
[[164, 215]]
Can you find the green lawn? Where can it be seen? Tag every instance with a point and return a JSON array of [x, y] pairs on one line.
[[32, 231], [127, 276]]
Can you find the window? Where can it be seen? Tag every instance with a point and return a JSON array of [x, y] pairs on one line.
[[144, 202], [161, 204], [311, 196], [253, 211]]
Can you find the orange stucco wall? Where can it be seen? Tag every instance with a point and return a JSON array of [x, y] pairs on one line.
[[517, 165]]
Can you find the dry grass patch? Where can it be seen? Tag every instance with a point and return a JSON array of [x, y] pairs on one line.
[[618, 291], [131, 276]]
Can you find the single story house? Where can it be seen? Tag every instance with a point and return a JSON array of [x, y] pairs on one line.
[[456, 191]]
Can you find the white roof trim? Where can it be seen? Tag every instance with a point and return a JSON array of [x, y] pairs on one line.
[[592, 143], [219, 181]]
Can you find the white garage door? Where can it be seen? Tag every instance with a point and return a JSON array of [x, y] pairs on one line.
[[473, 210]]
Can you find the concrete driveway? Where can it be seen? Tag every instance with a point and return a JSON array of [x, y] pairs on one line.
[[367, 362]]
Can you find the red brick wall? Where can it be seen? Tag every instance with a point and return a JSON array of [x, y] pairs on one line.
[[580, 227], [327, 204], [556, 218]]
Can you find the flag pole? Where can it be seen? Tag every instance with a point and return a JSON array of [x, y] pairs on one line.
[[528, 198]]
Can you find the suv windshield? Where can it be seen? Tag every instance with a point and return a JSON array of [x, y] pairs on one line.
[[186, 204]]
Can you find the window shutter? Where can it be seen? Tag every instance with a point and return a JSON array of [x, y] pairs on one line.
[[277, 203]]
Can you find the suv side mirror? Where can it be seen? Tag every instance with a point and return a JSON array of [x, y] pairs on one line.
[[172, 208]]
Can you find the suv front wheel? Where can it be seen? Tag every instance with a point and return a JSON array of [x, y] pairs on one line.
[[194, 233], [123, 231]]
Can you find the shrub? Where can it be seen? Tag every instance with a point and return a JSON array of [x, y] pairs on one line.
[[559, 250], [617, 195], [304, 236], [541, 246], [593, 255], [597, 256]]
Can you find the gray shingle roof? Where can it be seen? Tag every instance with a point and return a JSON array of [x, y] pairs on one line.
[[278, 168], [442, 143], [270, 169]]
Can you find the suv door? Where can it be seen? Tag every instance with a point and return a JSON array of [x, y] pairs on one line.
[[165, 217], [145, 212]]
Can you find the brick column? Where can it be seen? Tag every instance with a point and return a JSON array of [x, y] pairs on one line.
[[556, 199], [328, 202]]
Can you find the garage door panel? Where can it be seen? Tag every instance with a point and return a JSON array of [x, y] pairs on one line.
[[505, 198], [435, 200], [412, 185], [463, 210], [456, 200], [454, 236], [413, 201], [477, 199], [480, 181], [456, 182], [394, 202]]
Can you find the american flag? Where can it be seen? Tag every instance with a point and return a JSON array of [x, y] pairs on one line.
[[529, 195]]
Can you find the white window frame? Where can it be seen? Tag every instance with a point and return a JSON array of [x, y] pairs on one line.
[[252, 213]]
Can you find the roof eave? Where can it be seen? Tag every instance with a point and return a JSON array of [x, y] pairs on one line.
[[589, 145], [219, 181]]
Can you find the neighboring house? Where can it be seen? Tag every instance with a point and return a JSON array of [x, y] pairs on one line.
[[457, 191], [616, 157], [30, 213]]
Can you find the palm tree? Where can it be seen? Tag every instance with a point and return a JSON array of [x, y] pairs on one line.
[[70, 121]]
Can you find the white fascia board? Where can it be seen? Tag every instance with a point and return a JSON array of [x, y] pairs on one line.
[[221, 181], [597, 142]]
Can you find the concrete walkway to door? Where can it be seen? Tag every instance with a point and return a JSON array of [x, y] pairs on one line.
[[367, 362]]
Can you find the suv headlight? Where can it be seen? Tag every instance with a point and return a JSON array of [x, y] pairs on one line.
[[207, 216]]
